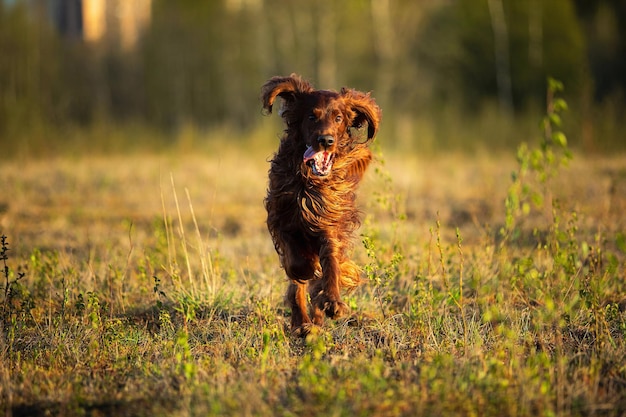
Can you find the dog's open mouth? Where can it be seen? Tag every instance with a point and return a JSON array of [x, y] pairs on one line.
[[320, 162]]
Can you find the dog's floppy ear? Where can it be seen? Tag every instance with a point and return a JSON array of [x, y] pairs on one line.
[[366, 110], [285, 87]]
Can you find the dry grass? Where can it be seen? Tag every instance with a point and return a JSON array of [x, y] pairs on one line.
[[151, 287]]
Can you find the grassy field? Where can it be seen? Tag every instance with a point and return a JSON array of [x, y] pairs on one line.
[[147, 284]]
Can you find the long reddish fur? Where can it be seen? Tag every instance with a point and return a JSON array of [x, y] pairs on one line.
[[311, 218]]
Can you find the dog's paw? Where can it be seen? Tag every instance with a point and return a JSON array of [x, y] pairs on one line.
[[332, 307], [335, 308], [305, 330]]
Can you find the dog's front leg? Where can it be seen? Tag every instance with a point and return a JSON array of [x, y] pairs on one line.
[[297, 299], [329, 298]]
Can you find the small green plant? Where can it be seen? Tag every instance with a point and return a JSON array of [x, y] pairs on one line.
[[187, 307], [381, 273], [93, 307], [455, 294], [537, 167], [384, 252], [185, 365]]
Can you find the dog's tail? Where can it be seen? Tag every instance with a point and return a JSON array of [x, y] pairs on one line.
[[350, 275]]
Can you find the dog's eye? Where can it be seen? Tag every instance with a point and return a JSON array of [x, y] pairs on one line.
[[338, 119], [312, 117]]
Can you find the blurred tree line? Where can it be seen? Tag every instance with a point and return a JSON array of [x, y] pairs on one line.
[[203, 62]]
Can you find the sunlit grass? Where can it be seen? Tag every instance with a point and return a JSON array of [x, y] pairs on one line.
[[151, 287]]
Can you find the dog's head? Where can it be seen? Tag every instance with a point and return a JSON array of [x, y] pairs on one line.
[[321, 119]]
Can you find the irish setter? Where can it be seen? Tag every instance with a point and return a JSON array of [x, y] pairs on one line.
[[311, 209]]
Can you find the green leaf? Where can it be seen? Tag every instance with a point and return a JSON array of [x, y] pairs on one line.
[[559, 105], [536, 158], [554, 85], [560, 139], [555, 119]]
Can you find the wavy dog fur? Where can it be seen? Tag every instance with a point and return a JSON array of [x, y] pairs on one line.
[[313, 177]]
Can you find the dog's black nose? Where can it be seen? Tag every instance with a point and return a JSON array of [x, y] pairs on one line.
[[325, 140]]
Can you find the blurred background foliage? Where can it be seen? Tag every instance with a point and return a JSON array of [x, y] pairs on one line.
[[463, 73]]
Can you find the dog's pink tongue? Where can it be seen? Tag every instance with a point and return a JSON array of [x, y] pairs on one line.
[[309, 153]]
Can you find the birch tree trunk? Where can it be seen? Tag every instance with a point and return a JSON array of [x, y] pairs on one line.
[[384, 44], [326, 28], [501, 49]]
